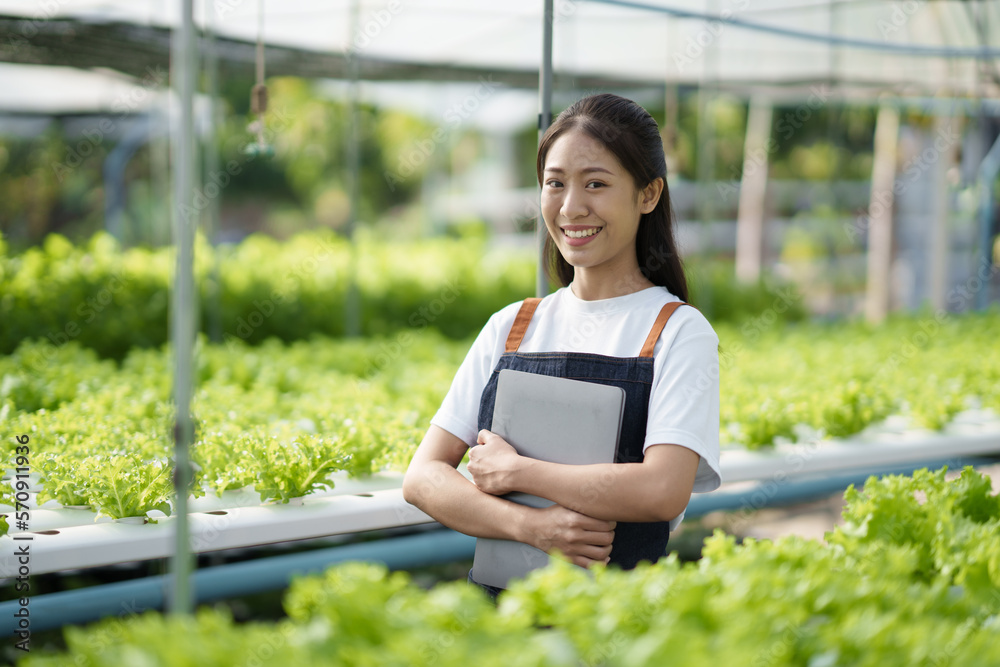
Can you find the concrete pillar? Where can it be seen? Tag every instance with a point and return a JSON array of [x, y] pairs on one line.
[[753, 192], [880, 210]]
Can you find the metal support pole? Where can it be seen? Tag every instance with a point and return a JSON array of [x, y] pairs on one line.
[[706, 140], [214, 292], [988, 170], [183, 298], [544, 120], [352, 304], [162, 212]]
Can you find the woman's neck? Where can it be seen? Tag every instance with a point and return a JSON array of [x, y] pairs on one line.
[[590, 287]]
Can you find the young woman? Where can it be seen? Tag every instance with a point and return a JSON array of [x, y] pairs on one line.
[[619, 319]]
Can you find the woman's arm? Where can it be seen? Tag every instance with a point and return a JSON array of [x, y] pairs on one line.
[[658, 489], [433, 484]]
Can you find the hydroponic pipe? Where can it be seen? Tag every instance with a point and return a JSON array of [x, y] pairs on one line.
[[127, 598], [429, 548], [775, 492]]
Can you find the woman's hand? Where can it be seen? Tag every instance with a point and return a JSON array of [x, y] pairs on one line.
[[582, 539], [493, 464]]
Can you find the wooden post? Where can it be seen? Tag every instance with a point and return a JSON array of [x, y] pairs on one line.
[[753, 191], [880, 213]]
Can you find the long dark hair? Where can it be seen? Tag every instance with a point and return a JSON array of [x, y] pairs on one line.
[[631, 135]]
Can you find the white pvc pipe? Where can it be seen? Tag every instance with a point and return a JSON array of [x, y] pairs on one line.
[[246, 523], [95, 545]]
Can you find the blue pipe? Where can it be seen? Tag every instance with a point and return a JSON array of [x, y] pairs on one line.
[[776, 493], [150, 126], [430, 548], [266, 574]]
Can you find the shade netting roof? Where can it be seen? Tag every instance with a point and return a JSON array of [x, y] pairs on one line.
[[908, 47]]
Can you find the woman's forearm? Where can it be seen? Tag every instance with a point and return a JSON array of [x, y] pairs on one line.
[[610, 491], [657, 489], [446, 495], [443, 493], [433, 484]]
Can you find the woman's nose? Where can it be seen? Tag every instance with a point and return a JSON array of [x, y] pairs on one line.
[[573, 205]]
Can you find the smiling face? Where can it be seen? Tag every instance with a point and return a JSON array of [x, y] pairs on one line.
[[592, 209]]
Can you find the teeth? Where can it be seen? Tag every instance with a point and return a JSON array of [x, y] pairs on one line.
[[582, 234]]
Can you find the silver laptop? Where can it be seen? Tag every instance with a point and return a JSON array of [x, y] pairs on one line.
[[552, 419]]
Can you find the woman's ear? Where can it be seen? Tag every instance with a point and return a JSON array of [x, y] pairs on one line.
[[650, 195]]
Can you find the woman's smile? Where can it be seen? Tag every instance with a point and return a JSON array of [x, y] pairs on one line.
[[578, 235]]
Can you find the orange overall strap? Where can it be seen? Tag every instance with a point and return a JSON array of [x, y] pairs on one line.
[[521, 323], [661, 321]]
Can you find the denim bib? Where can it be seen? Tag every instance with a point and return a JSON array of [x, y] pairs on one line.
[[634, 542]]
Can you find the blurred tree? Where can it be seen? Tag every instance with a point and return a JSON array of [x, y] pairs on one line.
[[54, 183], [48, 184], [307, 170]]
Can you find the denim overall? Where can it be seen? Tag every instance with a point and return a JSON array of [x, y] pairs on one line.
[[634, 542]]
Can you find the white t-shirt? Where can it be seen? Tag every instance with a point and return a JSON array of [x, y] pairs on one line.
[[684, 400]]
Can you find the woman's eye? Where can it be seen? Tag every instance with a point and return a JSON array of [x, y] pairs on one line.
[[595, 184], [553, 183]]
